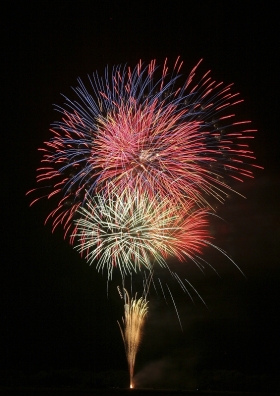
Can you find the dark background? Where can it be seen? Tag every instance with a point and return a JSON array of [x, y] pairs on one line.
[[55, 313]]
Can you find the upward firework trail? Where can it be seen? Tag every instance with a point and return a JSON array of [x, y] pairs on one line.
[[135, 311], [146, 129]]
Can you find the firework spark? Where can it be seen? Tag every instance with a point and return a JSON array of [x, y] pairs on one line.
[[135, 311], [131, 231], [148, 130]]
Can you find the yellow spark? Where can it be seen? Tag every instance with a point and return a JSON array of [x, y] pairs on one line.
[[135, 311]]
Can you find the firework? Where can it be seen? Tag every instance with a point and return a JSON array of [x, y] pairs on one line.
[[135, 311], [148, 130], [132, 231], [134, 165]]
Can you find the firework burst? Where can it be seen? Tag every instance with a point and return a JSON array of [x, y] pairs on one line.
[[132, 231], [148, 130]]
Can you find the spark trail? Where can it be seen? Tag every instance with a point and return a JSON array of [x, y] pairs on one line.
[[135, 311]]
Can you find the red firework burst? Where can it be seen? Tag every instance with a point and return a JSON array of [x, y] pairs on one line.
[[140, 131]]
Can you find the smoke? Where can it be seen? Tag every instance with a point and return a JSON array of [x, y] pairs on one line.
[[168, 372]]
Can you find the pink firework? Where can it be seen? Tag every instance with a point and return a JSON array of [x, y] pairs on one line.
[[163, 135]]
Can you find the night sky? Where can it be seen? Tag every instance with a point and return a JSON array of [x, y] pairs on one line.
[[55, 311]]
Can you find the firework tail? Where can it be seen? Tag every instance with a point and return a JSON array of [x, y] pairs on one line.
[[135, 311]]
